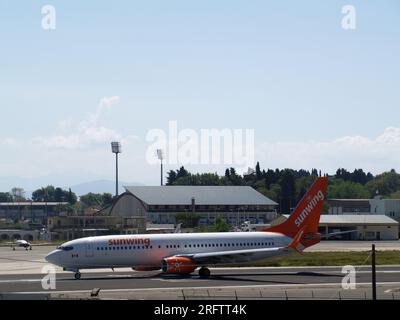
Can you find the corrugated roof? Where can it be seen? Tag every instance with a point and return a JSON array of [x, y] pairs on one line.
[[204, 195], [356, 219], [28, 203]]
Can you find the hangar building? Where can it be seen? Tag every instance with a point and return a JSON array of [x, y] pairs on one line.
[[365, 227], [161, 204]]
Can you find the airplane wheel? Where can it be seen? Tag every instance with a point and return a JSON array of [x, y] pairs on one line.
[[78, 276], [30, 248], [13, 249], [204, 273]]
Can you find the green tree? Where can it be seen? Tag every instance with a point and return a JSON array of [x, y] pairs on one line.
[[107, 199], [54, 194], [340, 189], [221, 225], [302, 185], [44, 194], [18, 194], [258, 171], [385, 184], [189, 219], [171, 177], [288, 192], [72, 198], [92, 200], [96, 200], [59, 195], [5, 197]]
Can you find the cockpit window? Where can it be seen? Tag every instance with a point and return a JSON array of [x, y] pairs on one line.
[[66, 248]]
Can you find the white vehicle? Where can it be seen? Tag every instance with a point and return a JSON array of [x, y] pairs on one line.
[[184, 253], [21, 243]]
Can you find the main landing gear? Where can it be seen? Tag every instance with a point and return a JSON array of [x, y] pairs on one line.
[[204, 272], [77, 276]]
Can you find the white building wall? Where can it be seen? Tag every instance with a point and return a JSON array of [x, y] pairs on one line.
[[392, 208], [377, 206], [370, 232]]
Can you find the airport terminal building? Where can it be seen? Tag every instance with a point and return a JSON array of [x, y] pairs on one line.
[[160, 205], [29, 210], [375, 206]]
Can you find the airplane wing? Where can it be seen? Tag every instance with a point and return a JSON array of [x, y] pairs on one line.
[[244, 255], [232, 256]]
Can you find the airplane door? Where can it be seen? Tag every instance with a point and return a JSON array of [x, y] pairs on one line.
[[89, 249]]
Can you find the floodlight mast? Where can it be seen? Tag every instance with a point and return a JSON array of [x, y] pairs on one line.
[[160, 156], [116, 148]]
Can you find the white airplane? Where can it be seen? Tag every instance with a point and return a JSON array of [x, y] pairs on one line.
[[21, 243], [184, 253]]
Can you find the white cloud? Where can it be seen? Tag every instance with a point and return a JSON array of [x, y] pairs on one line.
[[375, 155], [67, 153], [86, 133], [9, 142]]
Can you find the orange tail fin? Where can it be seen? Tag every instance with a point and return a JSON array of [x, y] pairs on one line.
[[307, 213]]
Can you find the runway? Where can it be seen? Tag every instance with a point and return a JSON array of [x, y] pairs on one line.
[[253, 282], [21, 273]]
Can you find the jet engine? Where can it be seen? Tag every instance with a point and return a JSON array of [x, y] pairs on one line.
[[178, 265]]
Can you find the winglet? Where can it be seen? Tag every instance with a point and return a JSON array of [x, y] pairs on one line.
[[296, 241]]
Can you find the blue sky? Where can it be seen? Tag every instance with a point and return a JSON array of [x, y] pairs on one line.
[[283, 68]]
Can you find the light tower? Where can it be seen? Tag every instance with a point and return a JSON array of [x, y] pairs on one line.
[[116, 148], [160, 156]]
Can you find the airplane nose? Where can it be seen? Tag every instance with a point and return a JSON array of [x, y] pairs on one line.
[[53, 257]]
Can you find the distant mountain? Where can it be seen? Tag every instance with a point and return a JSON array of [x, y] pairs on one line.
[[101, 186], [64, 181]]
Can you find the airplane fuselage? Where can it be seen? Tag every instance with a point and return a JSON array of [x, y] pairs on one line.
[[148, 251]]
